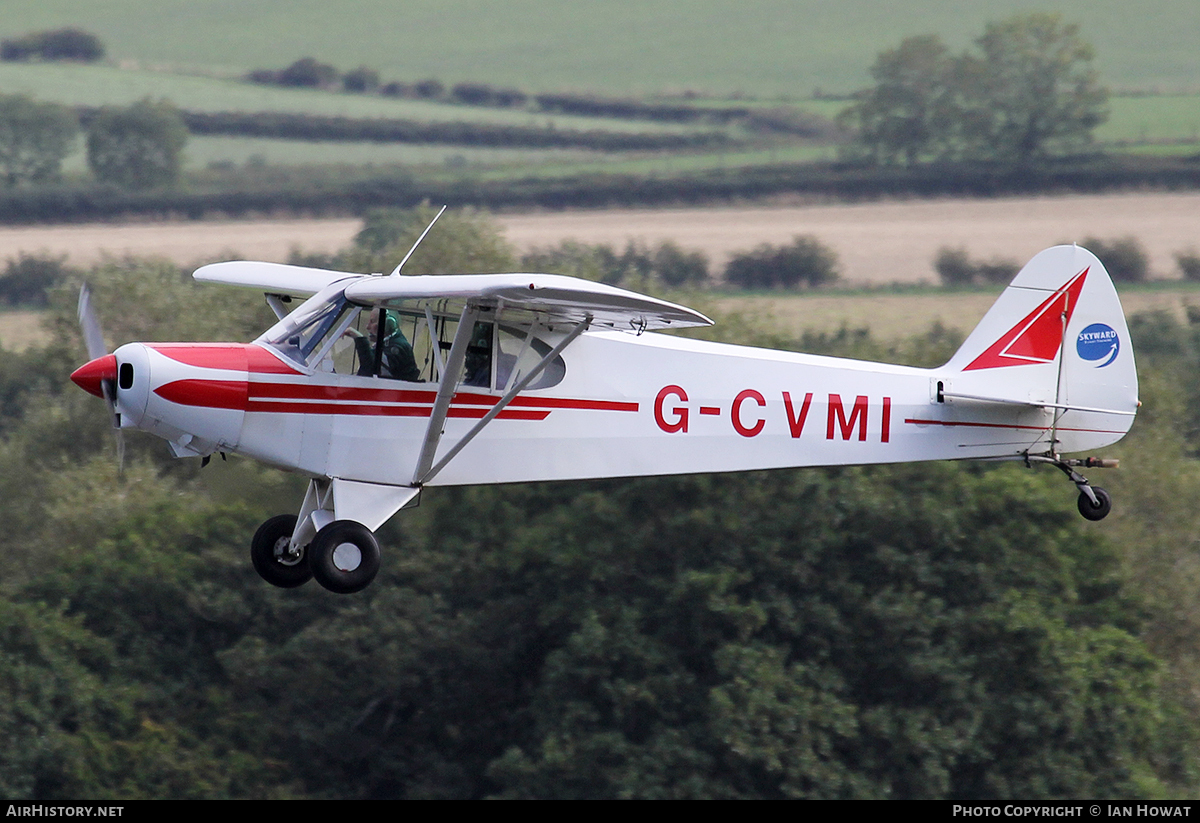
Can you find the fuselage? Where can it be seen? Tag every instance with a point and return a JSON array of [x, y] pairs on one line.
[[625, 405]]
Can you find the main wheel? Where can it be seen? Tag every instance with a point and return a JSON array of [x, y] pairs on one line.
[[1091, 510], [269, 554], [344, 556]]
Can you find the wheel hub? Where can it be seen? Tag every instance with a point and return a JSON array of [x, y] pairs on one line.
[[347, 557]]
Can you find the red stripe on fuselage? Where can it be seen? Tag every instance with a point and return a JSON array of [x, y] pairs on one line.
[[547, 402], [293, 398], [213, 394], [309, 391], [951, 423], [285, 407], [231, 356]]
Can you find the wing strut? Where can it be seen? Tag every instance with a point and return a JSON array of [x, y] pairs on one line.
[[454, 366], [425, 474]]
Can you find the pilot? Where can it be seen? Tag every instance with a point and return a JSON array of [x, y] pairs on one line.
[[479, 356], [398, 360]]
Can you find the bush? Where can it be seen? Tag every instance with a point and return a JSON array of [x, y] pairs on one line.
[[396, 89], [361, 80], [428, 89], [509, 98], [1124, 258], [667, 265], [60, 44], [955, 268], [806, 262], [473, 94], [676, 267], [481, 94], [27, 279], [307, 72], [1189, 264]]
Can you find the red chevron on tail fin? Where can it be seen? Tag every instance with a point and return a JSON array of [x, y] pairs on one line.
[[1038, 337]]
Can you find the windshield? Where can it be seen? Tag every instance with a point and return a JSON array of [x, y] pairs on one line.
[[309, 334]]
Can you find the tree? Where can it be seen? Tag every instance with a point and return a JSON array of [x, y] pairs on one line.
[[1039, 91], [462, 242], [140, 147], [907, 115], [34, 138], [1029, 92]]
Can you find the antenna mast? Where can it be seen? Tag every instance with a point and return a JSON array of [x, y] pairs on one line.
[[396, 270]]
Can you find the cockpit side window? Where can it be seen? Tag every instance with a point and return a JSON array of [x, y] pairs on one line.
[[518, 353], [497, 355], [328, 333]]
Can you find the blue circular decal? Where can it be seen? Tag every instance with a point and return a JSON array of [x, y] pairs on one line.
[[1098, 342]]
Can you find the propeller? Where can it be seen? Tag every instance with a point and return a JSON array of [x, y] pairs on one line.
[[99, 375]]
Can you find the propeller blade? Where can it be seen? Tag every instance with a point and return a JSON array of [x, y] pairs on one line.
[[102, 371], [93, 338], [120, 436]]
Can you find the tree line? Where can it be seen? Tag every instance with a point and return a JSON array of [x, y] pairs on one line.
[[308, 72]]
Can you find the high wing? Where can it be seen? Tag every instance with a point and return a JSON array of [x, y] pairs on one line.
[[544, 298], [272, 278]]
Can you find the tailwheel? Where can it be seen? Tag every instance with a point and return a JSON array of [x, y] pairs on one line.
[[1094, 502], [271, 554], [1094, 510], [344, 556]]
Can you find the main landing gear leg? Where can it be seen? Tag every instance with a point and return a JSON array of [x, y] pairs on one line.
[[1094, 502]]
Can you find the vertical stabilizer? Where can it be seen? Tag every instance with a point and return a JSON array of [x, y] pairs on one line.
[[1056, 337]]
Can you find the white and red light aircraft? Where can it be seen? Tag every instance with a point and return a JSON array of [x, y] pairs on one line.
[[526, 377]]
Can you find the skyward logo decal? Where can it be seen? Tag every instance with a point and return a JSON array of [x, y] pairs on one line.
[[1038, 337], [1098, 342]]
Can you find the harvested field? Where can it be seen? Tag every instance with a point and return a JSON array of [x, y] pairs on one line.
[[879, 242], [895, 241], [185, 242]]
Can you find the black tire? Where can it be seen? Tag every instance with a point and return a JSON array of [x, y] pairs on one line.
[[268, 554], [1092, 511], [344, 557]]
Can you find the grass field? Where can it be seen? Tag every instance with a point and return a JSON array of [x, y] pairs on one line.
[[82, 85], [763, 48], [756, 52], [1150, 118]]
